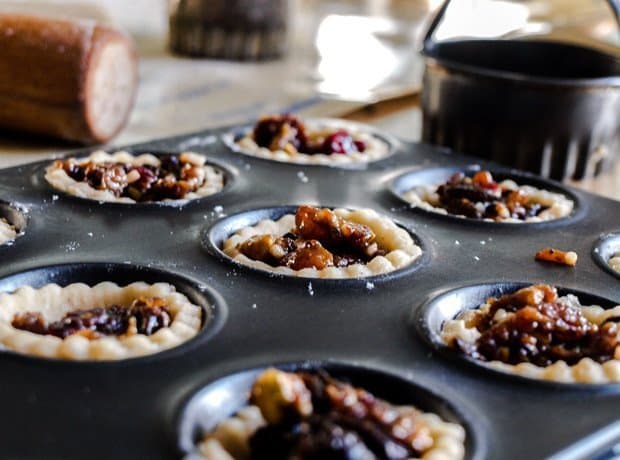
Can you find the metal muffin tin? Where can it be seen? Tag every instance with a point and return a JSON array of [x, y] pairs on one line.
[[366, 330]]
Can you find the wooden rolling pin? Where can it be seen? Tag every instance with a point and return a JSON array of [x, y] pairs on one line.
[[71, 79]]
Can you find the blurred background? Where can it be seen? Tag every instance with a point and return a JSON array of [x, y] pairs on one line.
[[353, 58]]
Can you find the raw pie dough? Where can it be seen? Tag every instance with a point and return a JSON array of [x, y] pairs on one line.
[[58, 178], [585, 371], [425, 197], [614, 262], [376, 148], [7, 231], [402, 250], [54, 301]]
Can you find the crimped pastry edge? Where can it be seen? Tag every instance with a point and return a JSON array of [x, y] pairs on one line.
[[424, 197], [585, 371], [7, 231], [59, 179], [402, 249], [54, 301], [377, 148], [449, 438], [614, 262]]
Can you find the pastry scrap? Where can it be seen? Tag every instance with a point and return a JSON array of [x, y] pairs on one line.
[[301, 415], [103, 322], [614, 262], [289, 139], [124, 178], [323, 243], [535, 333], [480, 197], [568, 258], [7, 231]]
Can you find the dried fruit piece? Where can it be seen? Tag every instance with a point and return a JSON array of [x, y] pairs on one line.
[[280, 132], [341, 142], [309, 254], [332, 231], [557, 256], [280, 395]]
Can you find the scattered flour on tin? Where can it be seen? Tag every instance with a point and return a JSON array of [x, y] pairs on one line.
[[197, 141], [310, 289], [370, 286], [218, 211], [302, 177], [71, 246]]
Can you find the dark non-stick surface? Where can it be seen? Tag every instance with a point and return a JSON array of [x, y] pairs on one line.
[[71, 410]]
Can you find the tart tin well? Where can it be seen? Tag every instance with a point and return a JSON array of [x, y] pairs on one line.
[[228, 175], [127, 404], [445, 305], [213, 238], [402, 184], [217, 400], [604, 248], [14, 216], [213, 306]]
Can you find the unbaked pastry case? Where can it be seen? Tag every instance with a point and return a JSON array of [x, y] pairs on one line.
[[373, 330]]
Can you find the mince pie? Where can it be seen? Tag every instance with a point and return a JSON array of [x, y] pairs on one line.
[[311, 415], [125, 178], [288, 139], [103, 322], [324, 243], [536, 333], [481, 197]]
